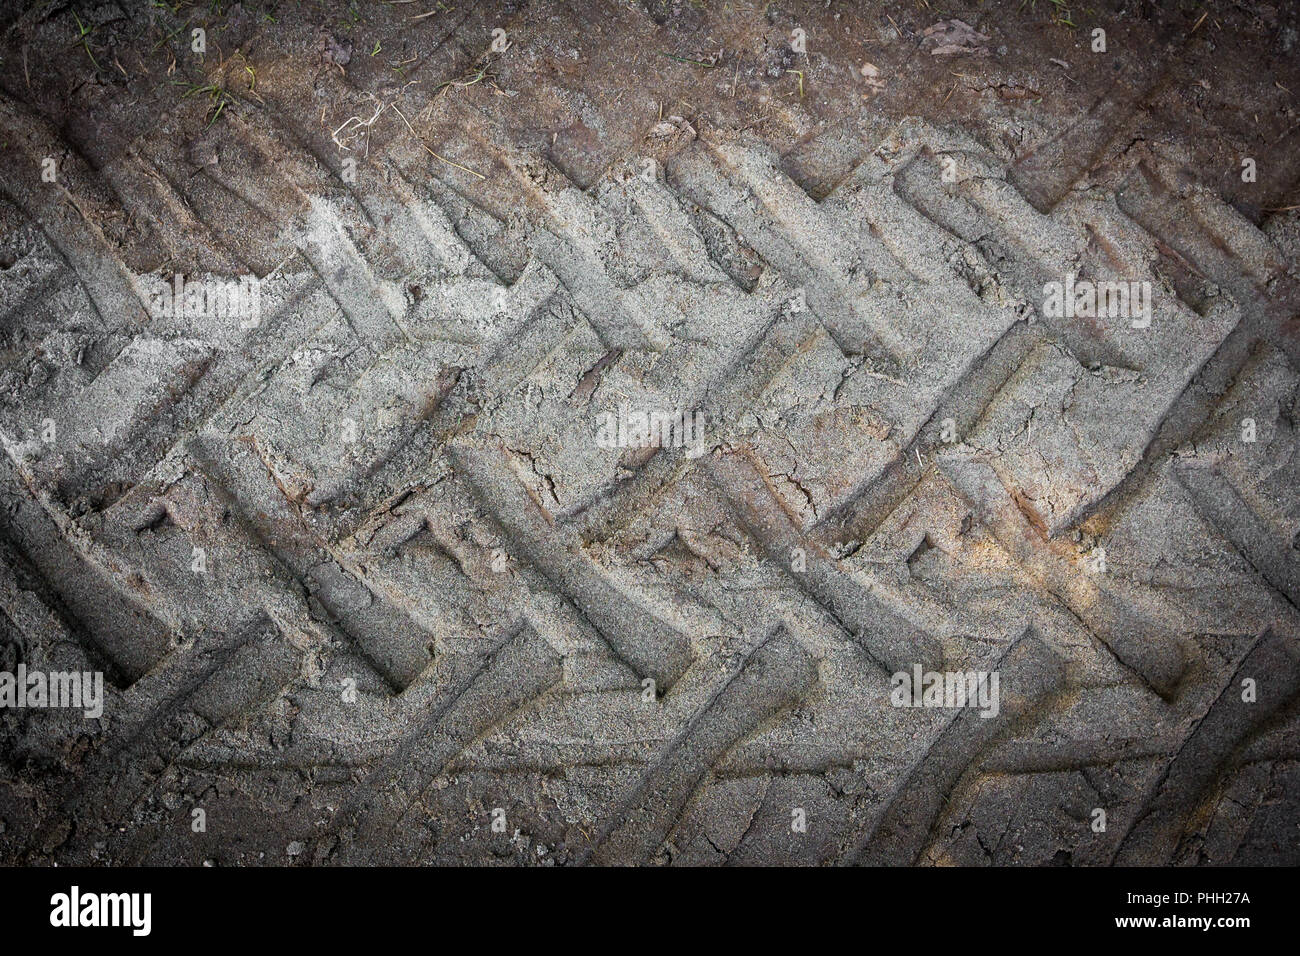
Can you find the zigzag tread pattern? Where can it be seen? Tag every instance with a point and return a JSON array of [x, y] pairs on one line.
[[364, 579]]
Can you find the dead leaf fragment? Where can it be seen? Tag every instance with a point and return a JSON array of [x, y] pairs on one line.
[[953, 37], [871, 73]]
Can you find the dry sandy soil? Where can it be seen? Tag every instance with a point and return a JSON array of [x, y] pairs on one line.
[[369, 581]]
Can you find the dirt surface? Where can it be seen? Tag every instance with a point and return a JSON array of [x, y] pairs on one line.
[[380, 568]]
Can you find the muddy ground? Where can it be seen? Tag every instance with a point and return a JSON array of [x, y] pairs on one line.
[[366, 586]]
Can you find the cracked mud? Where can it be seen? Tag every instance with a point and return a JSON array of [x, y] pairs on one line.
[[552, 434]]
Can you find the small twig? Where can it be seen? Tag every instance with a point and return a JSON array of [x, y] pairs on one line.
[[451, 163], [460, 82], [682, 59], [360, 124], [431, 152]]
